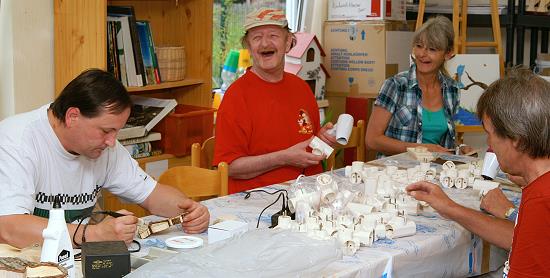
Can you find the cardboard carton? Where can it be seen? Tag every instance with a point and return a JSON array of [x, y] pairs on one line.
[[363, 54]]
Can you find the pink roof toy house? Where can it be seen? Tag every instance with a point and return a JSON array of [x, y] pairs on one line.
[[304, 60]]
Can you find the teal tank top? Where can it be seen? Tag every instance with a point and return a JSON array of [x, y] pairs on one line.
[[434, 126]]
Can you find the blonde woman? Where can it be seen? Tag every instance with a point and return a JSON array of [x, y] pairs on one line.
[[416, 107]]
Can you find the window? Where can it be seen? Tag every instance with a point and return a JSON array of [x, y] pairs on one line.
[[229, 16], [310, 55]]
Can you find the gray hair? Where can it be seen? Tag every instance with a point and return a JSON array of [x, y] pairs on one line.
[[518, 106], [436, 33]]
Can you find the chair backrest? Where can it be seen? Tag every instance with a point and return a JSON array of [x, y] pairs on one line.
[[202, 156], [109, 201], [356, 140], [197, 182]]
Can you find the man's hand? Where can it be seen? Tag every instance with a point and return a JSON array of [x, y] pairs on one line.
[[325, 136], [298, 156], [433, 195], [496, 203], [120, 228], [196, 218]]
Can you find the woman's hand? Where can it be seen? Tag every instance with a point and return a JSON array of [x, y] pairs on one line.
[[436, 148]]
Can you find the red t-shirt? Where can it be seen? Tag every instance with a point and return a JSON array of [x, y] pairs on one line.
[[258, 117], [530, 254]]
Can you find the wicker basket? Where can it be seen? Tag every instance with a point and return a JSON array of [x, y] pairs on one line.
[[171, 62]]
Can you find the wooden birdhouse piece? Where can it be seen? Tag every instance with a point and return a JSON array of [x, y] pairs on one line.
[[304, 60]]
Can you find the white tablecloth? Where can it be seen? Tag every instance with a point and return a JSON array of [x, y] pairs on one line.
[[440, 248]]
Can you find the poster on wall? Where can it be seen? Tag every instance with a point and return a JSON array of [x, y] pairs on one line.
[[474, 72]]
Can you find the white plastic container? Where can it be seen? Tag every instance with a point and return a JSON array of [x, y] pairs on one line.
[[57, 246], [178, 243]]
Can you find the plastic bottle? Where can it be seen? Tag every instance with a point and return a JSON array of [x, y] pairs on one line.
[[244, 62], [229, 72], [57, 246]]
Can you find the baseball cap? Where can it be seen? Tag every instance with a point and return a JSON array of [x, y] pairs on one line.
[[265, 16]]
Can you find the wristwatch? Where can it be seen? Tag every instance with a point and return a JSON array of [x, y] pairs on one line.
[[510, 212]]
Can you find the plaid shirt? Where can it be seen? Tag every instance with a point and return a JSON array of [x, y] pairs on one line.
[[402, 97]]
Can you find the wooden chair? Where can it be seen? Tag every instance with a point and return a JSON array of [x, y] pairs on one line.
[[113, 203], [202, 156], [356, 140], [197, 182]]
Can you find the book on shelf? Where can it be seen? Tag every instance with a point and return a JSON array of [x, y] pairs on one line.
[[150, 137], [153, 52], [148, 51], [146, 113], [126, 13], [147, 154], [138, 148], [125, 40], [118, 56], [112, 56]]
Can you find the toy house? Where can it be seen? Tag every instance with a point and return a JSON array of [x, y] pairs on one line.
[[304, 60]]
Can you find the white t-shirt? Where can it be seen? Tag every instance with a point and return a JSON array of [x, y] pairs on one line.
[[34, 167]]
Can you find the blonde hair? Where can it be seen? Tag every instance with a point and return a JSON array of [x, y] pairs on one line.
[[436, 33]]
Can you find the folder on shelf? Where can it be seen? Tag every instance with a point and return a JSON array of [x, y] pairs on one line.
[[146, 113]]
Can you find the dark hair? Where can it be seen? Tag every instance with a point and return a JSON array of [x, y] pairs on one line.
[[518, 106], [93, 92]]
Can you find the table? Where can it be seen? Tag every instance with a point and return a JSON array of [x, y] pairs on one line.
[[440, 248]]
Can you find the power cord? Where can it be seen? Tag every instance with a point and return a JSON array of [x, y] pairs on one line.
[[276, 200], [89, 215]]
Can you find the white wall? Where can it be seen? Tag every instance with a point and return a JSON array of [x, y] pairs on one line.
[[26, 55], [313, 15], [6, 61]]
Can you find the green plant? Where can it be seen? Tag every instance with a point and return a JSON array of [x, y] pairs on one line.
[[228, 22]]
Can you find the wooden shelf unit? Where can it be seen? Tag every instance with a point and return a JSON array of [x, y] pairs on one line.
[[164, 85], [80, 36]]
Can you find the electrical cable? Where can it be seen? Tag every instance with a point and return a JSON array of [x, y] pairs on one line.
[[285, 199], [110, 213], [248, 193], [276, 200]]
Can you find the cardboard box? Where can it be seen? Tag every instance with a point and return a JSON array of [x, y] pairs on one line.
[[367, 10], [364, 54], [225, 230]]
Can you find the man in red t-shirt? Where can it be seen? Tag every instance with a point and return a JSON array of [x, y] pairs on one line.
[[515, 111], [268, 117]]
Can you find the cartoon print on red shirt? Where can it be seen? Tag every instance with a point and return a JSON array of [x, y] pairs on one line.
[[304, 122]]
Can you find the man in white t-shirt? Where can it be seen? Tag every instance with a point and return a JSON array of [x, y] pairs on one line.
[[69, 149]]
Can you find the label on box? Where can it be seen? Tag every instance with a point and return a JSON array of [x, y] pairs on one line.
[[355, 55], [366, 10]]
